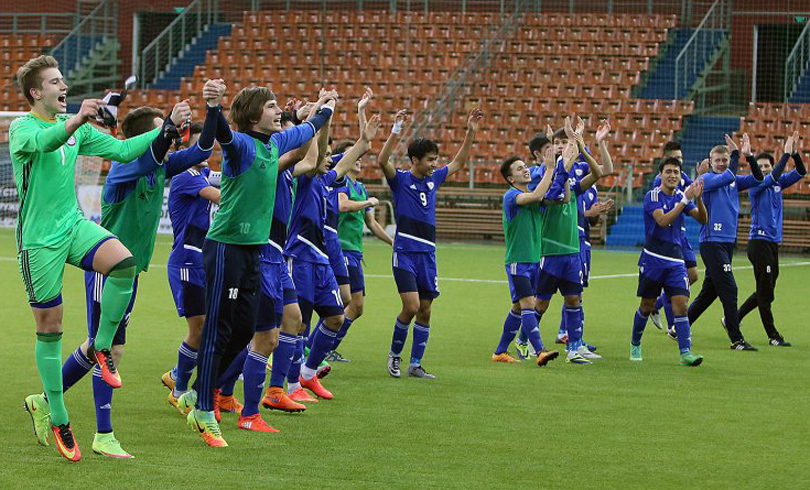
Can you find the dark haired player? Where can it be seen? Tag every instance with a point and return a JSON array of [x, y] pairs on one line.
[[522, 222], [414, 257], [661, 265], [766, 232]]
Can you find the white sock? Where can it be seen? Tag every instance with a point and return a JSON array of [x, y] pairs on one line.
[[292, 387], [308, 373]]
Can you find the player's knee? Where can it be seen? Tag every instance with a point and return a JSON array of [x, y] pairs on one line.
[[525, 304], [679, 305], [541, 306], [334, 322], [262, 343], [125, 269], [409, 310], [572, 301], [357, 310], [345, 296]]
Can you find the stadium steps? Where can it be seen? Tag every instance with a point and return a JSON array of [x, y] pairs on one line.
[[84, 44], [660, 83], [802, 93], [701, 133], [194, 54], [628, 231]]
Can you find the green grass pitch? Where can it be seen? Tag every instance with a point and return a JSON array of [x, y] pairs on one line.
[[738, 421]]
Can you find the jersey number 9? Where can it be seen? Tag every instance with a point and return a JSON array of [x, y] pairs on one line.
[[423, 198]]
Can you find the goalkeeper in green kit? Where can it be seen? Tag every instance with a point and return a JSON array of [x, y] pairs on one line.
[[52, 231]]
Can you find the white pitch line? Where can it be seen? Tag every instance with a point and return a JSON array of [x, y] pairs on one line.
[[500, 281]]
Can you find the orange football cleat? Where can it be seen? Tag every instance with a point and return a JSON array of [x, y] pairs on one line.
[[505, 357], [301, 395], [255, 423], [277, 400], [66, 443], [227, 403], [109, 373], [314, 385], [545, 356]]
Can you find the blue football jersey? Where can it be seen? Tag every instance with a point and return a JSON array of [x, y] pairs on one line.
[[722, 201], [273, 250], [415, 210], [766, 206], [686, 181], [305, 239], [190, 215], [664, 242]]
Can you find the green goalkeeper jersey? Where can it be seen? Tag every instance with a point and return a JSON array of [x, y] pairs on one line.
[[43, 156], [521, 230], [559, 230], [350, 224]]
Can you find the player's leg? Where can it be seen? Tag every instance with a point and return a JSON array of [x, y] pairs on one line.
[[727, 292], [254, 368], [645, 308], [766, 271], [188, 290], [354, 309], [405, 279], [427, 283], [511, 327], [520, 285], [283, 356], [112, 259], [329, 305], [679, 308], [42, 271], [708, 291]]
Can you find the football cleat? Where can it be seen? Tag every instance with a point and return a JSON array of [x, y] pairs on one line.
[[419, 372], [186, 402], [779, 342], [522, 349], [207, 429], [393, 366], [561, 339], [255, 423], [167, 380], [672, 334], [635, 352], [586, 353], [505, 357], [323, 370], [314, 385], [301, 395], [544, 357], [66, 443], [742, 345], [276, 399], [335, 356], [109, 373], [575, 358], [655, 316], [689, 359], [227, 403], [40, 411], [108, 445]]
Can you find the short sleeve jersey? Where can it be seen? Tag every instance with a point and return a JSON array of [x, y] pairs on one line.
[[306, 235], [190, 215], [664, 242], [415, 210]]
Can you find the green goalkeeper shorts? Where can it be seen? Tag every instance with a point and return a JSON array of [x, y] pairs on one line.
[[42, 269]]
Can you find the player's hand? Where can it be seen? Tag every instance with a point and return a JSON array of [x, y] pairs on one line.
[[570, 154], [89, 109], [373, 201], [580, 126], [292, 105], [548, 158], [699, 188], [606, 206], [703, 167], [180, 113], [732, 146], [689, 192], [372, 126], [569, 130], [213, 91], [746, 145], [365, 99], [305, 110], [602, 131], [401, 116], [796, 140], [549, 132], [789, 145], [474, 119]]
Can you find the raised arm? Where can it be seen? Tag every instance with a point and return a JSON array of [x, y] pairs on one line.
[[539, 192], [376, 229], [359, 148], [699, 212], [463, 154], [361, 108], [602, 132], [308, 163], [210, 193], [297, 136], [384, 158], [200, 151]]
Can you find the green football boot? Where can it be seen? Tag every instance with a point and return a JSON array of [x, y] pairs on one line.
[[40, 411]]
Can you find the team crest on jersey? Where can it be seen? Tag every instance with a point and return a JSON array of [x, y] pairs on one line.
[[578, 172], [777, 189], [430, 185], [71, 141]]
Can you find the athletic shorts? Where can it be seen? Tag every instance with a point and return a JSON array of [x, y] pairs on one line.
[[94, 285], [337, 260], [416, 272], [42, 269], [689, 255], [317, 289], [656, 274], [188, 290], [524, 278], [277, 291], [560, 272], [357, 281], [585, 260]]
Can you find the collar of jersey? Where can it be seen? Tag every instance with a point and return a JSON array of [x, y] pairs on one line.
[[42, 118], [264, 138]]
